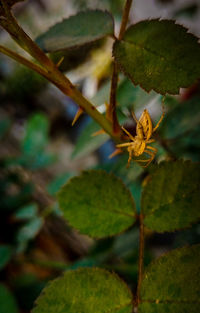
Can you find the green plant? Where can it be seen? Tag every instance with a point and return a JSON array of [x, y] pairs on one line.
[[158, 55]]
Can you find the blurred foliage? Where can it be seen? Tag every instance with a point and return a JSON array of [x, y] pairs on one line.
[[187, 11], [183, 140], [114, 6], [22, 84], [34, 154], [74, 32], [5, 255], [19, 212], [20, 220], [75, 56], [7, 300]]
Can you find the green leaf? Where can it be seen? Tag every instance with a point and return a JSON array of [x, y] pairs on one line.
[[23, 84], [36, 134], [134, 97], [30, 229], [35, 143], [27, 212], [126, 93], [57, 183], [5, 255], [86, 142], [170, 199], [181, 125], [183, 118], [7, 301], [4, 126], [102, 95], [10, 3], [159, 55], [172, 283], [97, 204], [77, 30], [87, 291]]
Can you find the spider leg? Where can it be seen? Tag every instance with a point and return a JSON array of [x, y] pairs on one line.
[[126, 131], [152, 148], [126, 144], [134, 117], [150, 152], [160, 120], [129, 159], [150, 140], [152, 155]]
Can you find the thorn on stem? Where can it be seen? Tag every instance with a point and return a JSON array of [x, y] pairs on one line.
[[98, 132], [78, 114], [60, 62]]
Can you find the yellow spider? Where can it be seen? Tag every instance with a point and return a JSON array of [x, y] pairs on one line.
[[139, 144]]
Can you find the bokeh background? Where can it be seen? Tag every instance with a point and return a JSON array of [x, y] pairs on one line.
[[40, 151]]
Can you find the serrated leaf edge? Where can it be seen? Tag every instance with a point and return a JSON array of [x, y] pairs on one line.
[[157, 261], [97, 269], [122, 69], [112, 176], [72, 16], [134, 216], [153, 172]]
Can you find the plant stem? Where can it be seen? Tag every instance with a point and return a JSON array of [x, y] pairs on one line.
[[49, 70], [10, 24], [141, 258], [59, 80], [24, 61], [114, 81], [92, 111], [125, 18], [112, 107]]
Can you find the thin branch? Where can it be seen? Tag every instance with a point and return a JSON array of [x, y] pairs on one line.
[[141, 258], [125, 18], [112, 116], [62, 82], [114, 81], [10, 24], [23, 61], [50, 70]]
